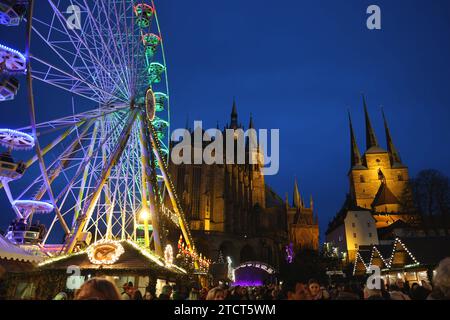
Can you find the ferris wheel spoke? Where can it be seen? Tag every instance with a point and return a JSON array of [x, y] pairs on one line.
[[98, 65], [112, 35], [84, 166], [54, 76], [75, 120], [90, 204], [73, 51]]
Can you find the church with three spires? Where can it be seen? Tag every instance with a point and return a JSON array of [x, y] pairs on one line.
[[379, 189], [233, 212]]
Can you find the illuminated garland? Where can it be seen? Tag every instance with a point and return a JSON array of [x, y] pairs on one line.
[[168, 255], [189, 256], [16, 140], [4, 50], [92, 252], [389, 262], [58, 258]]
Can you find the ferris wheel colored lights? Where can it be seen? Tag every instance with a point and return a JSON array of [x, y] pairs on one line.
[[155, 72], [105, 252], [33, 206], [144, 13], [160, 99], [16, 140], [150, 104], [11, 60]]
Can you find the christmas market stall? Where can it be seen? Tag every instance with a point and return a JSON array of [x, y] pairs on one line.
[[14, 261], [119, 261], [409, 259]]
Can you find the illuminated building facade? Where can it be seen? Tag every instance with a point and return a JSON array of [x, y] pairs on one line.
[[232, 210]]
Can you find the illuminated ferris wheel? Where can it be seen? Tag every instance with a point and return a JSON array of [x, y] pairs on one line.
[[98, 171]]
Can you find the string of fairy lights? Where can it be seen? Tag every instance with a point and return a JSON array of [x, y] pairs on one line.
[[387, 262]]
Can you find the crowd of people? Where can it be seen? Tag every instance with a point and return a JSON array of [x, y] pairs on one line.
[[102, 289]]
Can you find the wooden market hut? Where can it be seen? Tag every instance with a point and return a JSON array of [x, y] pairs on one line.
[[63, 273], [411, 259], [13, 262]]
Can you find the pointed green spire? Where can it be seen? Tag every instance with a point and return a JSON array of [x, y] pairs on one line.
[[371, 139], [393, 153], [251, 125], [355, 155]]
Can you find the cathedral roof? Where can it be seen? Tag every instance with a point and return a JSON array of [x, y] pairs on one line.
[[272, 198], [384, 196]]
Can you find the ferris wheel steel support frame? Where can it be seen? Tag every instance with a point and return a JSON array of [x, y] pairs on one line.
[[33, 118], [102, 74], [61, 165], [170, 189], [85, 174], [89, 206], [147, 187]]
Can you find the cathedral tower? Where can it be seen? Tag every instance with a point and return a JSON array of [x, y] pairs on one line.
[[378, 179]]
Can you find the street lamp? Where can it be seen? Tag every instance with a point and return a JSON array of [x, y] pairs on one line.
[[144, 216]]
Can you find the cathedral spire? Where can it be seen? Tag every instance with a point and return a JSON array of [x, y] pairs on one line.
[[251, 125], [234, 116], [395, 156], [355, 154], [311, 203], [297, 197], [371, 139]]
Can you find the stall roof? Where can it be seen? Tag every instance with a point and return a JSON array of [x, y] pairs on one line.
[[134, 258], [10, 251]]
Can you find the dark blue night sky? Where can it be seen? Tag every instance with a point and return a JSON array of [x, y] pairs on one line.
[[298, 65]]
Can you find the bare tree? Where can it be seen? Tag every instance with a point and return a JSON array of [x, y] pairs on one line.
[[430, 198]]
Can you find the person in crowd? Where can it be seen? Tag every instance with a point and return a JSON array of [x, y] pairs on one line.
[[149, 295], [124, 294], [419, 292], [233, 294], [372, 294], [137, 295], [243, 294], [346, 293], [216, 293], [98, 289], [441, 282], [385, 294], [316, 291], [166, 292], [397, 294], [194, 294], [406, 288], [295, 291], [426, 285], [203, 293]]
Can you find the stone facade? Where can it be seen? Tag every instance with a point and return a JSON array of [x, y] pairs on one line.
[[231, 210], [378, 179]]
